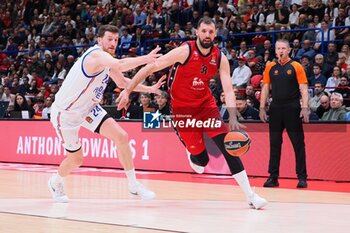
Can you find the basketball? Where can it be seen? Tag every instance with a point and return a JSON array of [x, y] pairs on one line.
[[237, 142]]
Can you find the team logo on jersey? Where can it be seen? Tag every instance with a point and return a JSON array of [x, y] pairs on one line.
[[89, 119], [197, 82], [151, 120], [289, 72], [213, 60]]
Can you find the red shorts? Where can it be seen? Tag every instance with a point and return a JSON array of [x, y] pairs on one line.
[[191, 123]]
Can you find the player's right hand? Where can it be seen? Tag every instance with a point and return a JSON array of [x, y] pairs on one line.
[[155, 88], [262, 115], [122, 99]]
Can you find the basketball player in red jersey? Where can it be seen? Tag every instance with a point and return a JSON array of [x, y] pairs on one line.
[[193, 65]]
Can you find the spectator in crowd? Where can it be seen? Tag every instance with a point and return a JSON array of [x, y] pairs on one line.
[[241, 75], [7, 96], [331, 57], [333, 81], [222, 107], [146, 103], [246, 112], [337, 111], [38, 107], [326, 69], [344, 89], [250, 95], [214, 87], [323, 34], [293, 19], [47, 108], [306, 50], [324, 106], [306, 63], [319, 91], [21, 104], [162, 103], [317, 76], [339, 21]]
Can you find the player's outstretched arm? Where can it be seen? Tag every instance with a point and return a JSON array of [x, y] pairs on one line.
[[179, 54], [230, 97], [98, 60]]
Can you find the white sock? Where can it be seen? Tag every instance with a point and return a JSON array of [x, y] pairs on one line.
[[243, 182], [131, 176]]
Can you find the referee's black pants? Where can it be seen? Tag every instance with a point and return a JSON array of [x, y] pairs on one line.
[[286, 116]]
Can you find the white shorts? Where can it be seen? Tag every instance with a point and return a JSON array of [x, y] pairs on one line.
[[67, 125]]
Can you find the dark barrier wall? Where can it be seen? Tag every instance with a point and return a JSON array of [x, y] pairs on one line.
[[328, 149]]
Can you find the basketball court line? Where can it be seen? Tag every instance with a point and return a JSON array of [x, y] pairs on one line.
[[93, 222]]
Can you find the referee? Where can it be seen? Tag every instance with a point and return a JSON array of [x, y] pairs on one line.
[[287, 80]]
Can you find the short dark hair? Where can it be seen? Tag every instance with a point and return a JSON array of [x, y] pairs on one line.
[[107, 28], [241, 98], [206, 20]]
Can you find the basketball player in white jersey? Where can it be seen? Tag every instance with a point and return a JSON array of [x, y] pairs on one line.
[[77, 104]]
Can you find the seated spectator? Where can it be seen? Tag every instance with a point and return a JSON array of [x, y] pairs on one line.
[[7, 96], [246, 112], [341, 62], [338, 22], [324, 106], [333, 81], [309, 35], [337, 111], [146, 104], [306, 50], [222, 107], [331, 56], [47, 108], [250, 95], [306, 63], [344, 89], [315, 101], [214, 87], [241, 75], [162, 103], [326, 69], [38, 107], [21, 104], [252, 61], [318, 77], [325, 32]]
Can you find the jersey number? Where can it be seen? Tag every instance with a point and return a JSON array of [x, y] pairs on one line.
[[204, 69]]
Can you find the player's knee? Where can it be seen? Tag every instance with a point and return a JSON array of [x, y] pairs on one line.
[[201, 159], [122, 137]]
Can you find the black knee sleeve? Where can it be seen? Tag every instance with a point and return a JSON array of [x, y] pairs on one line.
[[234, 163], [201, 159]]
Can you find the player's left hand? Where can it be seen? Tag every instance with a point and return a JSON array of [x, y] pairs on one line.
[[234, 124], [155, 88], [304, 114], [153, 55]]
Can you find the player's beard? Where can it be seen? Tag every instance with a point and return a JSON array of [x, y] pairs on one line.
[[206, 45]]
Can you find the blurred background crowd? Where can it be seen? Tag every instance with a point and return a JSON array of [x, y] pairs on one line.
[[41, 39]]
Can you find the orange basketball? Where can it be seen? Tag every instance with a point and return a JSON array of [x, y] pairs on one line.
[[237, 142]]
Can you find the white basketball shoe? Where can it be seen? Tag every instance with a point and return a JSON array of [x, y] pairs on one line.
[[57, 190], [257, 202], [198, 169], [142, 191]]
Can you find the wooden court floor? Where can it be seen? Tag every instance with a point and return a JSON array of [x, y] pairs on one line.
[[102, 204]]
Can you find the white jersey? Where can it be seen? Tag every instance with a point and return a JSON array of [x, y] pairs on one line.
[[81, 92]]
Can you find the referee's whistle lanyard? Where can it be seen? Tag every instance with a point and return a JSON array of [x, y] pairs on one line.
[[282, 62]]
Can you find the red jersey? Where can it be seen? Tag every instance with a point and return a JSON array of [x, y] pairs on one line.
[[188, 82]]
